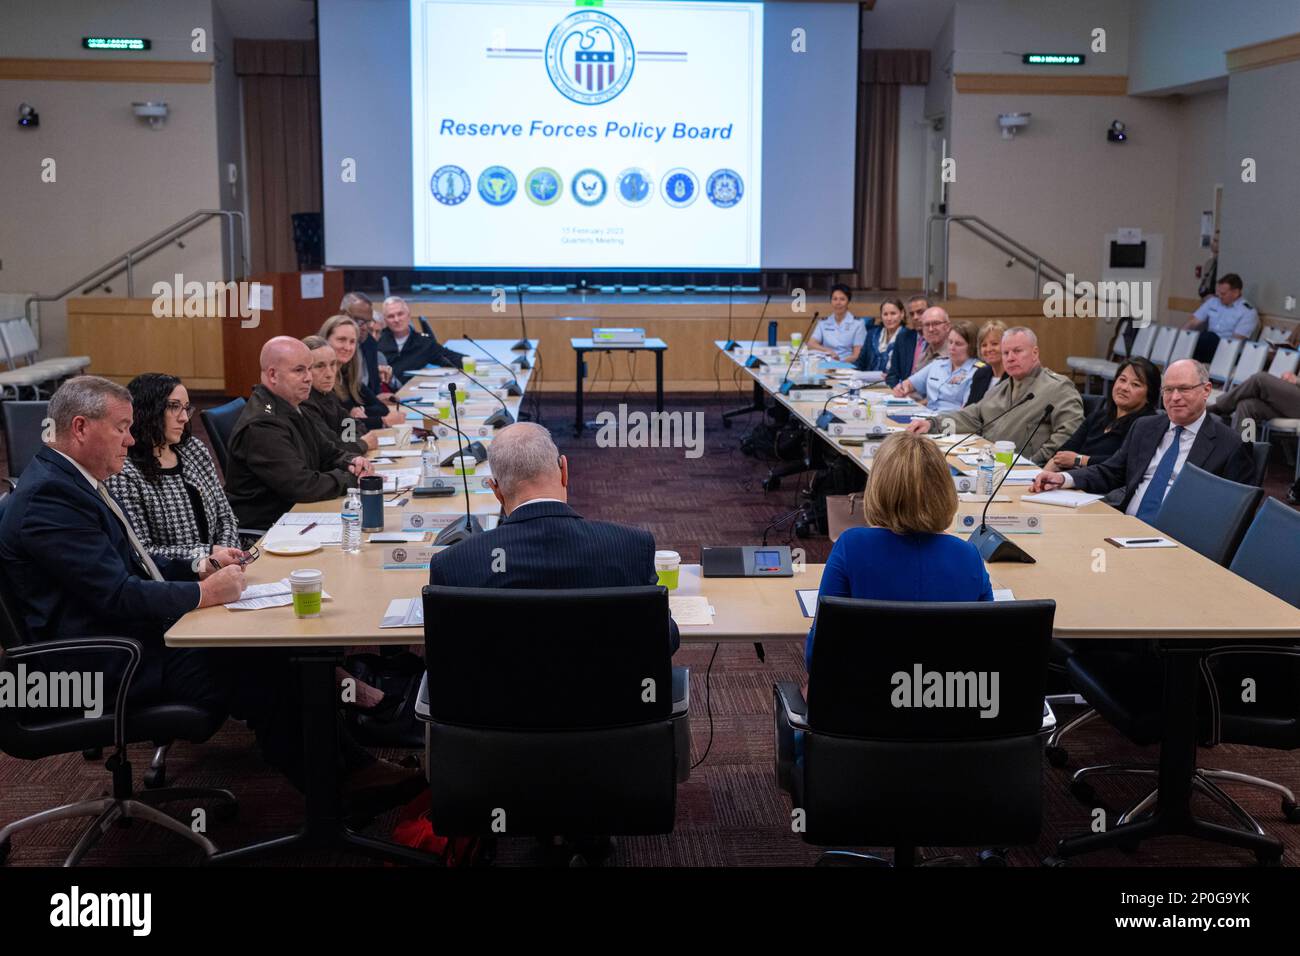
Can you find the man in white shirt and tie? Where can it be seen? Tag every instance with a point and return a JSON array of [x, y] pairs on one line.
[[1158, 447]]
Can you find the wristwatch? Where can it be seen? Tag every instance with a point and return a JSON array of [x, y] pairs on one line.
[[1078, 461]]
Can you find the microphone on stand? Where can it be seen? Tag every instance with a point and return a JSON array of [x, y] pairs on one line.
[[461, 528], [512, 387], [523, 345], [827, 417], [730, 344], [786, 384], [994, 545], [475, 447], [754, 361], [502, 415]]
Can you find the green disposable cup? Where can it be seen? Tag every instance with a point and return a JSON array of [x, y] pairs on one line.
[[668, 567], [669, 578]]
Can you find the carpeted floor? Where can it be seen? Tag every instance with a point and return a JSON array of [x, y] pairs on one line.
[[730, 812]]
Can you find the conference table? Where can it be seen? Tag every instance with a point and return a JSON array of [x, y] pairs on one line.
[[1173, 596]]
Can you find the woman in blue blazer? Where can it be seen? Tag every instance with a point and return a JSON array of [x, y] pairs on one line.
[[906, 554]]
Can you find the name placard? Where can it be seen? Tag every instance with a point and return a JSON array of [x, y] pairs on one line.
[[408, 556], [1007, 524]]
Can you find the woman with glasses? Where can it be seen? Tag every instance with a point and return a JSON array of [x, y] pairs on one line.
[[168, 486]]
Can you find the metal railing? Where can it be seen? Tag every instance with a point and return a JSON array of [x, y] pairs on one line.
[[1018, 251], [127, 261]]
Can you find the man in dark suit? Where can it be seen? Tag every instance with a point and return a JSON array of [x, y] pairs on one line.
[[277, 455], [1157, 447], [358, 307], [542, 542], [73, 566], [408, 349]]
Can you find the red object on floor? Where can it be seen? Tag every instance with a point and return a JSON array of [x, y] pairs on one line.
[[414, 829]]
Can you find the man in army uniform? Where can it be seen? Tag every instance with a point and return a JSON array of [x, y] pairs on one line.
[[1006, 402], [1225, 316], [277, 456]]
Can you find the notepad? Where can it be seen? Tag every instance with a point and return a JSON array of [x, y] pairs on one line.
[[259, 596], [404, 612], [1139, 541], [690, 610], [807, 601], [1062, 498], [386, 440]]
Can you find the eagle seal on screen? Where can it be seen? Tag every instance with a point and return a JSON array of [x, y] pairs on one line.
[[589, 57]]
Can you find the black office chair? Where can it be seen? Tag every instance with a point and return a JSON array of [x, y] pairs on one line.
[[1259, 454], [424, 325], [552, 712], [1268, 557], [23, 424], [1091, 403], [1201, 511], [47, 733], [879, 769], [219, 422]]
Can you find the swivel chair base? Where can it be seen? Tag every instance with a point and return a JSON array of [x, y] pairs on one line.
[[108, 810]]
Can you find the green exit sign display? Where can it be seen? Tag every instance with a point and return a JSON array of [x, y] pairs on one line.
[[1054, 59], [116, 43]]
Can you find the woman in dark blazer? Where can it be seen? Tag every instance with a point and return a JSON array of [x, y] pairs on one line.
[[882, 336], [1132, 396], [906, 554]]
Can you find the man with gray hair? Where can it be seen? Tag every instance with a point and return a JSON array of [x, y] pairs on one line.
[[408, 349], [72, 566], [357, 305], [1012, 409], [1158, 446], [542, 542]]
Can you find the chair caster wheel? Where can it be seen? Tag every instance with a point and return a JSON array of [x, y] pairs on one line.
[[93, 753], [155, 778], [1084, 793], [997, 858], [1055, 862], [1290, 810], [1057, 756]]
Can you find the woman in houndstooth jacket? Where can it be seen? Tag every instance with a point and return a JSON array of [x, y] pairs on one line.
[[168, 486]]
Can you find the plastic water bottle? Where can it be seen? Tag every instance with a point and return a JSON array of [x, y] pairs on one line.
[[429, 460], [986, 472], [352, 522]]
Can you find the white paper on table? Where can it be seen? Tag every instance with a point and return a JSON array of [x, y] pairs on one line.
[[395, 537], [1062, 497], [1143, 542], [259, 596], [399, 503], [974, 497], [386, 441], [807, 601], [403, 453], [1023, 476], [690, 610], [310, 517], [1021, 460], [404, 612], [321, 534], [1003, 594], [381, 461], [400, 478], [435, 372]]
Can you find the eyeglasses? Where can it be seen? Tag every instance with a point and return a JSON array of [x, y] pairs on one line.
[[176, 408], [1168, 390]]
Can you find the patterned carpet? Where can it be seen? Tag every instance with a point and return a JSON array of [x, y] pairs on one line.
[[730, 812]]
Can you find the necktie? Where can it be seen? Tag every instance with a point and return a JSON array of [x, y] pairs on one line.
[[1155, 493], [136, 546]]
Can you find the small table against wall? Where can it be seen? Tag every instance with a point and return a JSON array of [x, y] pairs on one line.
[[582, 346]]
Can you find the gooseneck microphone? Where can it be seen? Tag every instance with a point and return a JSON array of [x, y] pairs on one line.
[[754, 361], [1027, 398], [475, 447], [461, 528], [512, 387], [523, 345], [827, 417], [502, 415], [786, 384], [994, 545]]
